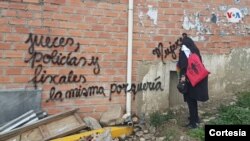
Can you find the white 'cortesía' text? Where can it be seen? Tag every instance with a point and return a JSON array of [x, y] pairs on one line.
[[213, 132]]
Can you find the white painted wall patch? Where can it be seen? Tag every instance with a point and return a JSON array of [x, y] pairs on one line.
[[152, 13]]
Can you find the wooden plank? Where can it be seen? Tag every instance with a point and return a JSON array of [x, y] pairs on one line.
[[48, 128], [16, 138], [64, 124], [32, 135], [78, 118], [42, 131]]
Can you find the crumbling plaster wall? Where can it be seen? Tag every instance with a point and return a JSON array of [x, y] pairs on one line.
[[230, 73]]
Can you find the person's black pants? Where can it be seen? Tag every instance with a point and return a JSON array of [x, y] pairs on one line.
[[193, 111]]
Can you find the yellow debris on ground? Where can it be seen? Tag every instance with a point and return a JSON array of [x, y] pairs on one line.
[[115, 132]]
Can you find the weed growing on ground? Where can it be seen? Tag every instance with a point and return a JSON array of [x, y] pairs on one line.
[[157, 119], [197, 133], [228, 115]]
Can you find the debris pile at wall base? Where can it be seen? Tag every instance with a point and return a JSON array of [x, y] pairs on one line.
[[59, 126]]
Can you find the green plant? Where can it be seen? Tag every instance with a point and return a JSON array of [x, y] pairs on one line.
[[236, 114], [198, 133], [244, 100], [233, 115], [157, 119], [170, 135]]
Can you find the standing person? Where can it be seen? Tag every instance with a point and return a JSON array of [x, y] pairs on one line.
[[196, 93]]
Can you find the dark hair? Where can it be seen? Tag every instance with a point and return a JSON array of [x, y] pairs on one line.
[[184, 35], [188, 42]]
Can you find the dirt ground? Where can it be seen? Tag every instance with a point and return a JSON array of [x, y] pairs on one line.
[[175, 129]]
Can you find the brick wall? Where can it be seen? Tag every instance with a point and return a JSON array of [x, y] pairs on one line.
[[100, 28]]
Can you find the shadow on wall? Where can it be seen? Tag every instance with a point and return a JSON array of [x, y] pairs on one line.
[[14, 103]]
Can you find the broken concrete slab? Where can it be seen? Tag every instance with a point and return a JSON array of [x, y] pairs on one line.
[[92, 123], [109, 118]]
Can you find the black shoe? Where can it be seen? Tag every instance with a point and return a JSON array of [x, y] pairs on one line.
[[191, 126]]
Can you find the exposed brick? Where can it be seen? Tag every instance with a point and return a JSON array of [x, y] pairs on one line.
[[85, 109], [19, 6], [5, 28], [13, 54], [118, 50], [4, 46], [75, 33], [119, 64], [17, 21], [53, 110], [98, 42], [14, 37], [24, 14], [110, 28], [90, 34], [51, 8], [90, 19], [97, 27], [105, 79], [75, 3], [33, 7], [90, 49], [104, 5], [120, 22], [120, 35], [21, 79], [15, 71], [5, 63], [120, 7], [101, 108], [105, 64], [69, 25], [51, 23], [97, 12], [41, 31], [90, 4], [61, 2], [28, 71], [164, 4], [69, 10], [21, 30], [4, 5], [37, 22], [20, 63], [9, 13], [105, 20], [5, 79], [104, 35], [115, 1], [31, 1], [111, 14], [3, 21], [82, 11]]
